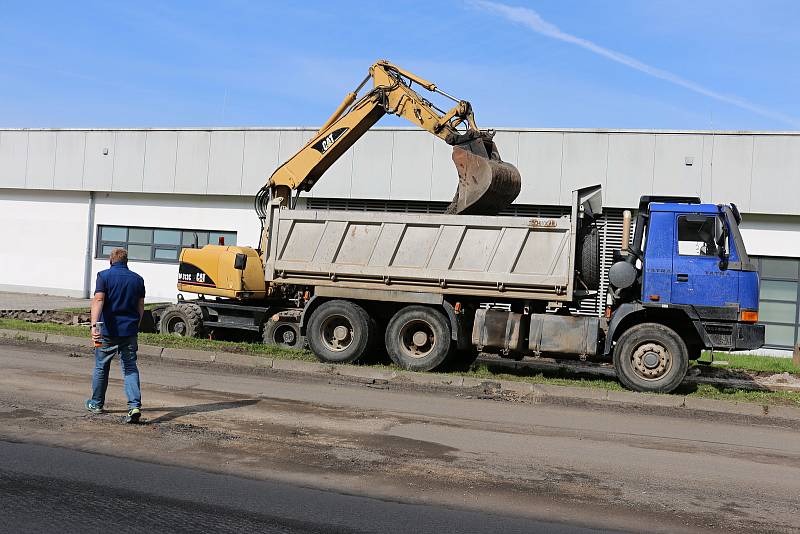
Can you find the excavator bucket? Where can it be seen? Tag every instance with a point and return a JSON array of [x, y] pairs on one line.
[[486, 184]]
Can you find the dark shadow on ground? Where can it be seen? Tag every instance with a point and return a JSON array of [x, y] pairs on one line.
[[173, 412]]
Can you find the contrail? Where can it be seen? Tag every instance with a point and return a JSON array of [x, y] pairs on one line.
[[531, 19]]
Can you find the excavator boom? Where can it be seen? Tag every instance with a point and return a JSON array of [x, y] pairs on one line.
[[486, 184]]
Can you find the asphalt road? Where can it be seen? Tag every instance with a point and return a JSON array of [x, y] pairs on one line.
[[47, 489], [264, 451]]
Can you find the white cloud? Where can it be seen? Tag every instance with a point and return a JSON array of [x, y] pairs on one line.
[[531, 19]]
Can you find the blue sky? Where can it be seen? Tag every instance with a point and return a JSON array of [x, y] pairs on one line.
[[728, 64]]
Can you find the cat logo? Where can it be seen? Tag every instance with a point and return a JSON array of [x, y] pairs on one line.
[[191, 274], [328, 141]]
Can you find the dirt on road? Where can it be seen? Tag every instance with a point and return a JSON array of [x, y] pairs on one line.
[[629, 470]]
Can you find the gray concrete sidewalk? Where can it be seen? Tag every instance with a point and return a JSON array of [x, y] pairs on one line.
[[32, 301]]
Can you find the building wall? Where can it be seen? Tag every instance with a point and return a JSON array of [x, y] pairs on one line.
[[771, 235], [759, 171], [171, 211], [44, 241], [55, 184]]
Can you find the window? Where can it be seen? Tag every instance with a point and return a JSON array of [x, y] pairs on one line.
[[779, 301], [697, 235], [162, 245]]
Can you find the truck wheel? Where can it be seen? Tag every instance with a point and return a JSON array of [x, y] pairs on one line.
[[588, 256], [650, 357], [185, 320], [418, 338], [284, 334], [339, 331]]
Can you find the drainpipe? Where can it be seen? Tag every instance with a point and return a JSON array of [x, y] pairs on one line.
[[87, 268]]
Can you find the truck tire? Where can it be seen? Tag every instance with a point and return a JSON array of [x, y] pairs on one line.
[[184, 320], [284, 334], [588, 256], [418, 338], [650, 357], [340, 331]]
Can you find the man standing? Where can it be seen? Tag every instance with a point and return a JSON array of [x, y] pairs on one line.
[[119, 305]]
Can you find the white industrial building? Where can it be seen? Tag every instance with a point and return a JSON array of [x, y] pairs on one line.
[[67, 196]]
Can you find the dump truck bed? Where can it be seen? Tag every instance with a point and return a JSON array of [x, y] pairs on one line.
[[483, 256]]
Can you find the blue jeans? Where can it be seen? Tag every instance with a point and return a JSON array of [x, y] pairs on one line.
[[126, 347]]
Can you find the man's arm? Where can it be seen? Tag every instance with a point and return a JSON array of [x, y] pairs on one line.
[[140, 306], [97, 309]]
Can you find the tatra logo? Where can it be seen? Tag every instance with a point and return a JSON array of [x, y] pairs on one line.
[[326, 142]]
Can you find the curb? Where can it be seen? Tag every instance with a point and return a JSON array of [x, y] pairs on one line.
[[538, 392]]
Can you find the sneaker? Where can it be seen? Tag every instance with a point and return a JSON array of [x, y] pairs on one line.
[[93, 407], [133, 416]]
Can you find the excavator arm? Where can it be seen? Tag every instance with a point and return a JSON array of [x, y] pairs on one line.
[[486, 184]]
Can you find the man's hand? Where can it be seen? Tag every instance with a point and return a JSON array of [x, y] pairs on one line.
[[96, 336], [97, 309]]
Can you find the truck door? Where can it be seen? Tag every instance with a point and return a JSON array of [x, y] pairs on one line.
[[697, 276]]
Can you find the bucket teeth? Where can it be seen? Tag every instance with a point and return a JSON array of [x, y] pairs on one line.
[[486, 185]]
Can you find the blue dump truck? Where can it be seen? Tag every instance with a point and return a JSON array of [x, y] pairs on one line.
[[435, 289], [686, 284]]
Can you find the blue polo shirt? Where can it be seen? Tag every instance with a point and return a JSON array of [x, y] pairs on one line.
[[123, 288]]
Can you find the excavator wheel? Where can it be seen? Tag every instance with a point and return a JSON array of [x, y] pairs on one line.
[[486, 185], [184, 320]]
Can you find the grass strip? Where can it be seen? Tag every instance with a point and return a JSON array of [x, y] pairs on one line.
[[748, 362]]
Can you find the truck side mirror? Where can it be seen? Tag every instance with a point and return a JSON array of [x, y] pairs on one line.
[[722, 249], [240, 262]]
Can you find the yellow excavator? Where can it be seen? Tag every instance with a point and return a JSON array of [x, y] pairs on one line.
[[486, 185]]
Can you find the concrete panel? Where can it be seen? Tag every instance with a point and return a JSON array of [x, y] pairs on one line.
[[412, 166], [771, 235], [129, 161], [585, 163], [445, 176], [671, 173], [260, 159], [337, 180], [98, 163], [161, 152], [69, 160], [13, 158], [630, 169], [776, 175], [191, 168], [41, 160], [225, 163], [372, 165], [731, 169], [56, 220], [539, 158], [706, 170], [508, 145], [290, 142]]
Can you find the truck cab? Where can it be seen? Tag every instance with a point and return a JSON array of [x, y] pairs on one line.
[[695, 256], [687, 270]]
